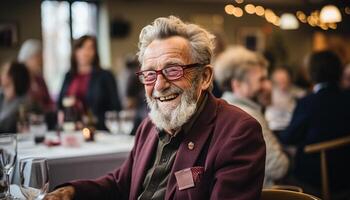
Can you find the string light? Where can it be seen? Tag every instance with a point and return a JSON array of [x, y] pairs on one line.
[[229, 9], [314, 19], [250, 8], [259, 10], [238, 12], [301, 16]]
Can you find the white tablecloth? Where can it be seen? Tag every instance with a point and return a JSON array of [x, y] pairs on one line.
[[90, 160]]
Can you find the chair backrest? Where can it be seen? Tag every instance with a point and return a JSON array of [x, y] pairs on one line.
[[275, 194], [321, 148]]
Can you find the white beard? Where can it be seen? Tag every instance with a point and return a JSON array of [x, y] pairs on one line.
[[175, 118]]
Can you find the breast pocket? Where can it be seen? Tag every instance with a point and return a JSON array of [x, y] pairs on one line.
[[200, 189]]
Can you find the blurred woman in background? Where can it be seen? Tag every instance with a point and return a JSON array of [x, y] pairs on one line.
[[93, 88], [15, 82]]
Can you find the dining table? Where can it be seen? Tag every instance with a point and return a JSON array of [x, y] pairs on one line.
[[86, 160]]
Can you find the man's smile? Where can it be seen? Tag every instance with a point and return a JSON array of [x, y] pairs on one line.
[[167, 98]]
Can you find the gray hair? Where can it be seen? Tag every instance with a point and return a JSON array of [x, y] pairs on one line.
[[234, 63], [201, 41], [28, 49]]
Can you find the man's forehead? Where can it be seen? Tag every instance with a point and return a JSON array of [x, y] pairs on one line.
[[160, 50]]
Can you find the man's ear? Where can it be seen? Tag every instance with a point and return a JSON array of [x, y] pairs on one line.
[[207, 77]]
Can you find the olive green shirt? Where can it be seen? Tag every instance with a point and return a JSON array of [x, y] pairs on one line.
[[155, 184]]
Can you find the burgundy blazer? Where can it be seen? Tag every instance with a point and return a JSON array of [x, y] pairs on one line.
[[228, 143]]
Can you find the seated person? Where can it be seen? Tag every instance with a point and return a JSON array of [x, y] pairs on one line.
[[31, 55], [192, 145], [321, 116], [13, 94], [284, 97], [241, 73]]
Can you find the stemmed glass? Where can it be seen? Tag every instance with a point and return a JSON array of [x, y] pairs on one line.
[[8, 156], [126, 121], [112, 121], [34, 178]]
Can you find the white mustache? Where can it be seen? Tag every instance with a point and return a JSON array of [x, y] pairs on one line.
[[168, 91]]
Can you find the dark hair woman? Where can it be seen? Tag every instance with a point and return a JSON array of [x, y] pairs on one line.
[[15, 82], [93, 88]]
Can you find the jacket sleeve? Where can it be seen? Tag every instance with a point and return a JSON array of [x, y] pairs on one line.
[[240, 165]]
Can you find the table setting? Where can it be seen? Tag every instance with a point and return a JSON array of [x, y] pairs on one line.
[[30, 169]]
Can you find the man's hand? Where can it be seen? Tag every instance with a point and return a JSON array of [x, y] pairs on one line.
[[64, 193]]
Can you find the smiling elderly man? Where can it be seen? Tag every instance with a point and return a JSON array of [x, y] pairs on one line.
[[192, 145]]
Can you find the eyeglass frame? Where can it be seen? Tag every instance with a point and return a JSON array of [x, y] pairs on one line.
[[183, 67]]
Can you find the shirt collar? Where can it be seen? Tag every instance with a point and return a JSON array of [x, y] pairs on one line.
[[319, 86], [234, 99]]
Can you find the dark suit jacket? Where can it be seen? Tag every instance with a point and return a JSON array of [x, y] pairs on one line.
[[318, 117], [102, 94], [228, 143]]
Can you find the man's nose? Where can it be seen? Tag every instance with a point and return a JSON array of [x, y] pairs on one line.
[[161, 83]]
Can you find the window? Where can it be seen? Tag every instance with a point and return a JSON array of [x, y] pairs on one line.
[[63, 21]]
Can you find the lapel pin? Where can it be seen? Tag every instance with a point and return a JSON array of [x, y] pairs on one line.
[[190, 145]]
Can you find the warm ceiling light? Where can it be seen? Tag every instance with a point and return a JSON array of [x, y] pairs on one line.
[[259, 10], [229, 9], [238, 12], [250, 8], [330, 14], [289, 22], [239, 1]]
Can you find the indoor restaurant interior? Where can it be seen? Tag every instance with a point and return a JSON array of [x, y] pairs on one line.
[[180, 99]]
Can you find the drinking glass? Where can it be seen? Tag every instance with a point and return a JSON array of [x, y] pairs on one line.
[[8, 156], [37, 127], [112, 121], [34, 178], [126, 120]]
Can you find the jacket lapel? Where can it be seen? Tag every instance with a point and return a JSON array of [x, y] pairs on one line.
[[142, 162], [198, 135]]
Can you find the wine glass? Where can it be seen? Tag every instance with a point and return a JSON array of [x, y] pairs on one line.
[[112, 121], [126, 120], [34, 178], [8, 151]]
